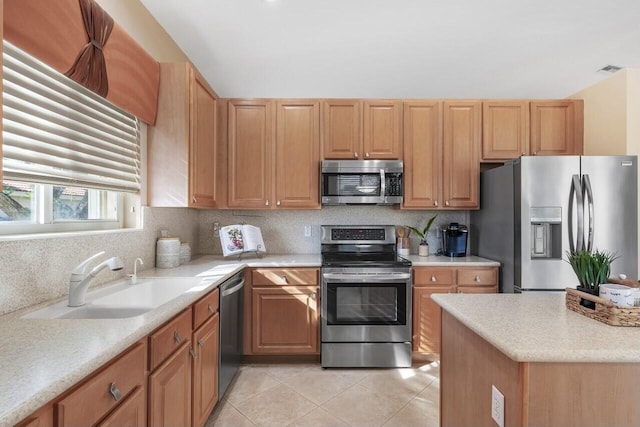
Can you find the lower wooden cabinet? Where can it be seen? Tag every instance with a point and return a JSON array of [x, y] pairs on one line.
[[131, 413], [206, 343], [170, 390], [282, 311], [105, 391], [441, 280]]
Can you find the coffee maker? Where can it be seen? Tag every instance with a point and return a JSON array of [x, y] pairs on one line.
[[454, 240]]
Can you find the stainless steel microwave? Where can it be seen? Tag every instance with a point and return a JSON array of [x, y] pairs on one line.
[[366, 182]]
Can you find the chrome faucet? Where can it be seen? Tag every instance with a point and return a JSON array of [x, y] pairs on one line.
[[133, 278], [80, 279]]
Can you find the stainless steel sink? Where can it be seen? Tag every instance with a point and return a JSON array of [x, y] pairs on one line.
[[123, 300]]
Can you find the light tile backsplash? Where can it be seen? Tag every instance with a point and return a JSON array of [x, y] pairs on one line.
[[283, 231], [36, 270]]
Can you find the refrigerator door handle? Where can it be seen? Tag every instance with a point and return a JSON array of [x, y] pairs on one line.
[[576, 192], [589, 199]]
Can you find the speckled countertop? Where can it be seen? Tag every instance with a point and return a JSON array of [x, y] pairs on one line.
[[443, 261], [42, 358], [539, 328]]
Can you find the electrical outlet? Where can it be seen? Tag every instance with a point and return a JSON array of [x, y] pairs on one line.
[[216, 226], [497, 406], [307, 231]]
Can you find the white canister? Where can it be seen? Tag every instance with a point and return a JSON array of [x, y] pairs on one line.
[[185, 253], [620, 295], [168, 252]]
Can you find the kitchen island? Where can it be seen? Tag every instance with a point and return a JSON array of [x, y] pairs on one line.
[[554, 367]]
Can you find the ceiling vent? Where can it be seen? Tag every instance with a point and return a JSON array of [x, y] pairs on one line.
[[609, 69]]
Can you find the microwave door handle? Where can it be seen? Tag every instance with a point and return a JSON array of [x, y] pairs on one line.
[[383, 186]]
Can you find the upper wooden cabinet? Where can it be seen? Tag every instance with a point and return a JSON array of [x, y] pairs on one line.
[[274, 157], [382, 129], [461, 154], [362, 130], [505, 129], [557, 127], [342, 128], [441, 154], [251, 133], [422, 154], [182, 144], [514, 128]]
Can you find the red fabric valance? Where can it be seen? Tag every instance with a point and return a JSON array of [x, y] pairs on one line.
[[77, 38]]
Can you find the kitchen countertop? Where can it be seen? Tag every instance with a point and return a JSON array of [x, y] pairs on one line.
[[444, 261], [42, 358], [539, 328]]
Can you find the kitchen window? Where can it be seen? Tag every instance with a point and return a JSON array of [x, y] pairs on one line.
[[69, 155]]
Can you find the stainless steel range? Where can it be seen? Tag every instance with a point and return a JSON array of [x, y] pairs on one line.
[[366, 298]]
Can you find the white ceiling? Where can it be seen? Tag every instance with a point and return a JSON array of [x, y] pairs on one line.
[[403, 48]]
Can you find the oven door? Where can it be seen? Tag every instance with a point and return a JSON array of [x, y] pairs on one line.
[[366, 305]]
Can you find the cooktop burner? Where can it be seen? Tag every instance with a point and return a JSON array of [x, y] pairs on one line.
[[360, 246]]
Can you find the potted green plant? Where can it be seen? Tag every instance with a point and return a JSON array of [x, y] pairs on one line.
[[423, 249], [592, 270]]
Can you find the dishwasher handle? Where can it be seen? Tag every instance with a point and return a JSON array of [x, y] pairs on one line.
[[234, 289]]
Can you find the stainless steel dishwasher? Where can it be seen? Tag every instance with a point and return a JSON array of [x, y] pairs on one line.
[[231, 297]]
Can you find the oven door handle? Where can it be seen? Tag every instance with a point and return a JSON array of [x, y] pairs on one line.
[[362, 278]]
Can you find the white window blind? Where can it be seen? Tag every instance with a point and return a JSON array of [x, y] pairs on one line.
[[55, 131]]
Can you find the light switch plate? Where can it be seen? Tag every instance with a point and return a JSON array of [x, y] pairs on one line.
[[307, 231], [497, 406]]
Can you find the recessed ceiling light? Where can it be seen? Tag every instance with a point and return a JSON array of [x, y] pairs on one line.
[[609, 69]]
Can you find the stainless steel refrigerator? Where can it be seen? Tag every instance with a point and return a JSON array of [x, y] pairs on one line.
[[535, 209]]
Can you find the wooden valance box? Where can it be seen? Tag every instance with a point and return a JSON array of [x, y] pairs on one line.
[[53, 31]]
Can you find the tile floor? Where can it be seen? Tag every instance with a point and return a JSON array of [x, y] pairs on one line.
[[305, 395]]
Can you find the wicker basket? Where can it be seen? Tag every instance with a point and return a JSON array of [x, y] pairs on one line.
[[605, 310]]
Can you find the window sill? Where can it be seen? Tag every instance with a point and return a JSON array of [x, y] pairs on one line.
[[64, 234]]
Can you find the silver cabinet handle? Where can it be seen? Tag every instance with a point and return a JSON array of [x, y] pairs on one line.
[[355, 154], [177, 337], [366, 154], [266, 203], [114, 392], [435, 203], [210, 308], [446, 203], [313, 295], [278, 203], [433, 279], [477, 278], [192, 352], [284, 278], [195, 200], [200, 343], [535, 153]]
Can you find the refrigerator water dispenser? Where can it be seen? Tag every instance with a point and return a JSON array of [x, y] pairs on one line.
[[546, 232]]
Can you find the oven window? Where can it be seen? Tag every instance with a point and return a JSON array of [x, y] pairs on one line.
[[366, 304], [340, 184]]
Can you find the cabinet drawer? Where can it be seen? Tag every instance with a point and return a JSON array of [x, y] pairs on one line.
[[205, 308], [472, 276], [164, 341], [284, 276], [92, 400], [433, 276], [477, 289]]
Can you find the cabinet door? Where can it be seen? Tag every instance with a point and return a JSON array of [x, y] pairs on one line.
[[170, 390], [426, 318], [505, 130], [341, 128], [461, 135], [285, 320], [422, 154], [251, 134], [43, 417], [132, 412], [556, 127], [298, 154], [382, 124], [477, 289], [202, 143], [205, 370]]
